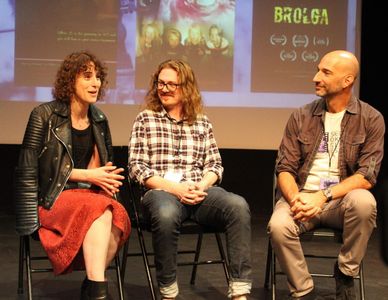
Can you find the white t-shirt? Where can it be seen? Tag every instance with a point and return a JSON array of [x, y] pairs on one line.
[[325, 171]]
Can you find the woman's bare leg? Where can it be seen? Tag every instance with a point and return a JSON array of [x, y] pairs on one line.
[[95, 246], [113, 244]]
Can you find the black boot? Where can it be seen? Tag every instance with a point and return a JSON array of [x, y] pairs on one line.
[[344, 285], [84, 289], [97, 290]]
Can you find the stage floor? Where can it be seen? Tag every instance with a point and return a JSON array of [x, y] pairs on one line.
[[210, 283]]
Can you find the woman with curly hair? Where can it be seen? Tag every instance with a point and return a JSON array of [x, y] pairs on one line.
[[65, 179]]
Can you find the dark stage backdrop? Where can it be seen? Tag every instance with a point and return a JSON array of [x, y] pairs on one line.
[[247, 172]]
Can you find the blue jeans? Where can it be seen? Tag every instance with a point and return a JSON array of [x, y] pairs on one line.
[[220, 208]]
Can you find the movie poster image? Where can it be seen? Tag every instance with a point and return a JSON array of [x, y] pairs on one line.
[[244, 53], [199, 32], [289, 39]]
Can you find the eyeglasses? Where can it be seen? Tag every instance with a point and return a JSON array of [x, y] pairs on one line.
[[170, 85]]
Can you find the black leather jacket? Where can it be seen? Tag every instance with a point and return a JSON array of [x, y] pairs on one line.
[[45, 160]]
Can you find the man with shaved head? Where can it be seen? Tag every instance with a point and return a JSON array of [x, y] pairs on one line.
[[328, 160]]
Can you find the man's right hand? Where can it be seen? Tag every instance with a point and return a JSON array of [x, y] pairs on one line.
[[307, 205], [188, 193]]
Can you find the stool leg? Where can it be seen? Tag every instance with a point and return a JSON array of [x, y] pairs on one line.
[[28, 266], [21, 265], [118, 273], [124, 260], [362, 287], [225, 263], [196, 258], [268, 267], [273, 274]]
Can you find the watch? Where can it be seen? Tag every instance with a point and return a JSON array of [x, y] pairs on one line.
[[327, 193]]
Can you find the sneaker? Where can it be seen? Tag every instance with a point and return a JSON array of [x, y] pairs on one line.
[[344, 285], [310, 296]]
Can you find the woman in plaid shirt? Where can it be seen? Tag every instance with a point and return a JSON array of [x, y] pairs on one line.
[[174, 155]]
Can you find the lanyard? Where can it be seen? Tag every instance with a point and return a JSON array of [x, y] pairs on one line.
[[336, 144], [328, 148]]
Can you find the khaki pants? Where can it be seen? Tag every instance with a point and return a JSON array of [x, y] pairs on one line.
[[355, 214]]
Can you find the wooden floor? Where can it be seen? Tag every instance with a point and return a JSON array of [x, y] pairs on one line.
[[210, 283]]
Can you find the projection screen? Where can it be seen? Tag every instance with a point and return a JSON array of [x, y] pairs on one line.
[[254, 59]]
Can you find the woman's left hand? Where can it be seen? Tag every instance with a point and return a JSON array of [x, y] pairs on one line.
[[106, 177]]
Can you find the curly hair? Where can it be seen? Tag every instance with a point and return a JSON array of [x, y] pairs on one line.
[[74, 64], [191, 97]]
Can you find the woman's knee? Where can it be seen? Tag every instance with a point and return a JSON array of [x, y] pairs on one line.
[[107, 216]]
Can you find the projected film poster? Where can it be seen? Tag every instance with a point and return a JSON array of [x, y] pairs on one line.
[[39, 49], [244, 53], [201, 35], [289, 39]]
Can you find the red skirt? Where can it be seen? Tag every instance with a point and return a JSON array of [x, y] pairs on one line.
[[64, 226]]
